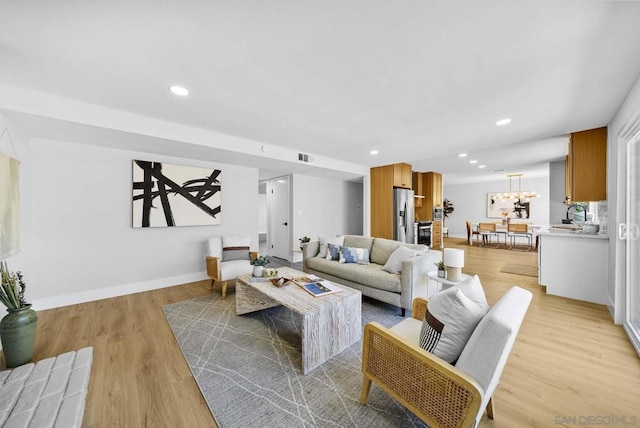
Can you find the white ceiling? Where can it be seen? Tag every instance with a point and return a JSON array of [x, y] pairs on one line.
[[420, 81]]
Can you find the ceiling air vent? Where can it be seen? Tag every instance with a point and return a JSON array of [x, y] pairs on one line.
[[302, 157]]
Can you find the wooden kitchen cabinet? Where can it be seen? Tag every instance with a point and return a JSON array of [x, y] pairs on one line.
[[432, 191], [417, 189], [436, 235], [402, 175], [586, 166], [383, 180]]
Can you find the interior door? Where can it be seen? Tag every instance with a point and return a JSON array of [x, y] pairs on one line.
[[631, 232], [280, 224]]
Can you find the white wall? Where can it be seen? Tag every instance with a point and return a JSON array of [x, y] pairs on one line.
[[326, 207], [470, 202], [557, 207], [616, 189], [84, 247]]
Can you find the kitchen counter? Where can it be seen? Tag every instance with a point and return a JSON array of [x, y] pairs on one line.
[[573, 264], [562, 230]]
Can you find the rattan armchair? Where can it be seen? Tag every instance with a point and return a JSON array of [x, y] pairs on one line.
[[438, 393], [434, 390]]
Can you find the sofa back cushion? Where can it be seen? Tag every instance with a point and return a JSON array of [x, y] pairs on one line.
[[383, 248], [357, 241]]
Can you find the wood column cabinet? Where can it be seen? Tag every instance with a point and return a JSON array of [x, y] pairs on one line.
[[418, 189], [383, 180], [436, 235], [586, 166]]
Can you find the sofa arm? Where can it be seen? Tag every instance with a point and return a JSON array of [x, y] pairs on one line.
[[309, 249], [414, 279], [437, 392]]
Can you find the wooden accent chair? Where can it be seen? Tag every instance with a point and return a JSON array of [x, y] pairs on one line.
[[221, 271], [440, 394], [515, 230], [470, 233]]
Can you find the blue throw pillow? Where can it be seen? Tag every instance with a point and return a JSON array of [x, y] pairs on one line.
[[354, 255], [333, 252]]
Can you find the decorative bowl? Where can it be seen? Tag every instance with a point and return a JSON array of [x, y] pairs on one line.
[[591, 229]]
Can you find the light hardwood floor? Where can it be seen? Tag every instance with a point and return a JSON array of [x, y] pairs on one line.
[[569, 362]]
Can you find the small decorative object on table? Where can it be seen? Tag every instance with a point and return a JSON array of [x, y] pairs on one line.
[[18, 327], [258, 265], [271, 273], [304, 240], [280, 282], [441, 269]]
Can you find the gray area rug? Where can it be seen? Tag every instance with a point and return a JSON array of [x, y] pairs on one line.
[[249, 371]]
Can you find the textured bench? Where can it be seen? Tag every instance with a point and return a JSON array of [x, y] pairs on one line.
[[50, 393]]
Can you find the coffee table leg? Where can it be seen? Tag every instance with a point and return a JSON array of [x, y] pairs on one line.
[[250, 300], [330, 330]]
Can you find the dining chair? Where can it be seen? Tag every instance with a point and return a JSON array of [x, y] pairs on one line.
[[470, 233], [515, 230], [487, 230]]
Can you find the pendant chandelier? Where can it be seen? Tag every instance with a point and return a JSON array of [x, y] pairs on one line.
[[519, 194]]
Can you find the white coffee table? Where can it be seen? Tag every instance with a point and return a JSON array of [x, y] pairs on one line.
[[445, 283], [330, 324]]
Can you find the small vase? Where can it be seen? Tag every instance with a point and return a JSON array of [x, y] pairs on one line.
[[441, 273], [18, 335], [258, 271]]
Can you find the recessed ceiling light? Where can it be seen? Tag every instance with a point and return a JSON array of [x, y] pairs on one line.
[[473, 161], [504, 121], [462, 155], [482, 166], [373, 152], [179, 90]]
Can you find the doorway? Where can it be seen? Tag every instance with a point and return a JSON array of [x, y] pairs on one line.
[[278, 218], [630, 232]]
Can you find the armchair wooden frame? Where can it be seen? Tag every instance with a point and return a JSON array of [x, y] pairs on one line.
[[434, 390], [214, 274]]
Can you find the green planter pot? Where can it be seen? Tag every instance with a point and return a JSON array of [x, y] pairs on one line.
[[18, 334]]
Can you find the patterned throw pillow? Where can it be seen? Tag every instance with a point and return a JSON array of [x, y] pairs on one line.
[[333, 252], [235, 248], [324, 245], [450, 321], [354, 255]]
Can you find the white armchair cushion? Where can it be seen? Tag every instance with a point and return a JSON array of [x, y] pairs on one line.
[[451, 318], [215, 246], [235, 248], [235, 268]]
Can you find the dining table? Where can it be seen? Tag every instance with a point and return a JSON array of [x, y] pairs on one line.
[[501, 229]]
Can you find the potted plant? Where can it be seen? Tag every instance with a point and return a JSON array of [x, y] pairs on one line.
[[258, 265], [447, 208], [304, 240], [18, 327], [441, 269]]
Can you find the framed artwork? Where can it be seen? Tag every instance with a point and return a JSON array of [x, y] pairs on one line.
[[9, 206], [168, 195], [502, 208]]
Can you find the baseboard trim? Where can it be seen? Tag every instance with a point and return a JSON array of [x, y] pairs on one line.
[[118, 290]]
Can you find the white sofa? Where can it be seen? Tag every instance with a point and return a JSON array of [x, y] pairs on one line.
[[371, 279]]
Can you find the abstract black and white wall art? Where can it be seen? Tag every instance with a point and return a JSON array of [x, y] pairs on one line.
[[166, 195]]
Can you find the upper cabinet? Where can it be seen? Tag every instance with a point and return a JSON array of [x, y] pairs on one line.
[[431, 183], [402, 176], [418, 189], [586, 166]]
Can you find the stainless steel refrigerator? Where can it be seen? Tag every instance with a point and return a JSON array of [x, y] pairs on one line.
[[404, 215]]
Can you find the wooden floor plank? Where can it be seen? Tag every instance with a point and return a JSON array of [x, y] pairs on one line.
[[569, 360]]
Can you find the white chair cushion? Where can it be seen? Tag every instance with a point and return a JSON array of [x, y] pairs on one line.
[[235, 248], [215, 247], [451, 318], [235, 268], [409, 330]]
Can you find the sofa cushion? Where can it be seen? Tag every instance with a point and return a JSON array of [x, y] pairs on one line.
[[450, 320], [402, 253], [372, 274], [354, 255], [333, 252], [357, 241], [383, 248], [324, 244]]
